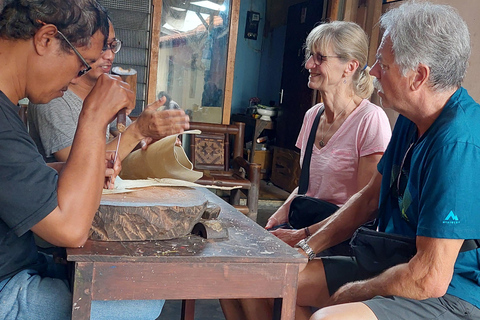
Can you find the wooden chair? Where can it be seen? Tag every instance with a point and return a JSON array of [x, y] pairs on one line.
[[210, 153]]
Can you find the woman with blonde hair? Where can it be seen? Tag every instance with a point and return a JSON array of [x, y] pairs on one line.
[[350, 139], [352, 133]]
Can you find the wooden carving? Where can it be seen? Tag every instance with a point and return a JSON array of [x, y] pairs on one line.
[[154, 213]]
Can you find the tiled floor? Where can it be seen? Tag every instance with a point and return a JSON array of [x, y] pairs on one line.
[[271, 198]]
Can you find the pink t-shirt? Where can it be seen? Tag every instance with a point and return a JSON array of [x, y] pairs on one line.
[[333, 169]]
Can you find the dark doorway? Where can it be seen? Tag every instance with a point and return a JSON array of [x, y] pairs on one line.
[[296, 96]]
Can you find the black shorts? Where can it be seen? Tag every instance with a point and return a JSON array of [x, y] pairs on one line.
[[341, 270]]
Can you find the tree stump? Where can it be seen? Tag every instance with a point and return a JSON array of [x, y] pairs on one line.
[[154, 213]]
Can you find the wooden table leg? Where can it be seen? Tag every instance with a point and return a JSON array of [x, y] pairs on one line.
[[188, 310], [290, 292], [82, 291], [277, 308]]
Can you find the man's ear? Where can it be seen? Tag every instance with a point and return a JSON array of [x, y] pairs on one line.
[[420, 77], [43, 39]]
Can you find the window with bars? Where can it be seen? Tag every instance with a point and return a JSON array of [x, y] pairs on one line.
[[132, 22]]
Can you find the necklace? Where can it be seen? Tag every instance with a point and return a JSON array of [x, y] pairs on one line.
[[322, 143]]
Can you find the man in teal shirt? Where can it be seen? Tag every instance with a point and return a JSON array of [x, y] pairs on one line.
[[428, 182], [439, 197]]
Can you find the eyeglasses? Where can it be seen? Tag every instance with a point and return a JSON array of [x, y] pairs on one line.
[[115, 46], [318, 58], [87, 66]]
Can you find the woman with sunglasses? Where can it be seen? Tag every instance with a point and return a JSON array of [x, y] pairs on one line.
[[352, 133], [350, 139]]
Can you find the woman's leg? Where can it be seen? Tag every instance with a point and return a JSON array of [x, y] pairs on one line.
[[247, 309], [232, 309], [312, 288], [257, 309]]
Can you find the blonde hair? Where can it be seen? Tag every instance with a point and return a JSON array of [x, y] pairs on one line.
[[349, 42]]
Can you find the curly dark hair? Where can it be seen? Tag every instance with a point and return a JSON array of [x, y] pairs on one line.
[[78, 20]]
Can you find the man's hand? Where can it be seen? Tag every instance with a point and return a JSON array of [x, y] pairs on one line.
[[154, 124], [109, 95], [112, 169]]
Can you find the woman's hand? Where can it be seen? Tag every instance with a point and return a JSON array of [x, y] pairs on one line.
[[289, 236], [279, 217]]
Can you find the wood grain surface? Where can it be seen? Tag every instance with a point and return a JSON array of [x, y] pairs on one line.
[[154, 213]]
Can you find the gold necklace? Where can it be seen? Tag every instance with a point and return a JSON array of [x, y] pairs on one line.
[[322, 143]]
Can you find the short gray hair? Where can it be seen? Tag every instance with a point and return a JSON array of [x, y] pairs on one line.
[[435, 35]]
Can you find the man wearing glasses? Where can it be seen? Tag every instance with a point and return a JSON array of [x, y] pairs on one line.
[[52, 126], [44, 47], [427, 181]]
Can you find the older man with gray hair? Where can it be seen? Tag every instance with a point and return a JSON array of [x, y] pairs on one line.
[[427, 185]]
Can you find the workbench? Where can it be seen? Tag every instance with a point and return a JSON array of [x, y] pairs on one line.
[[250, 263]]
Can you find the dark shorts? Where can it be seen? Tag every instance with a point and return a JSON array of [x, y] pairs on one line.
[[341, 270]]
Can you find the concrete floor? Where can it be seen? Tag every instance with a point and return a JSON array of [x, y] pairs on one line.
[[271, 198], [204, 310]]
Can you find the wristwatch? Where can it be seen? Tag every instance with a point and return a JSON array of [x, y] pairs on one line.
[[302, 244]]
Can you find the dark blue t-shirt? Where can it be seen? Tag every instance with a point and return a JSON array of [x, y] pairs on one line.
[[436, 184], [28, 192]]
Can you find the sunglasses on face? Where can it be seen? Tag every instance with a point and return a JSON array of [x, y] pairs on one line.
[[319, 58]]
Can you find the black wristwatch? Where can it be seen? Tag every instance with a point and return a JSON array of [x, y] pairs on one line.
[[305, 247]]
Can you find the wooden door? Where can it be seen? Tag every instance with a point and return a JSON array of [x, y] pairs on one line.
[[297, 98]]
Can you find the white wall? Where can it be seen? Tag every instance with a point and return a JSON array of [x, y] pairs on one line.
[[469, 10]]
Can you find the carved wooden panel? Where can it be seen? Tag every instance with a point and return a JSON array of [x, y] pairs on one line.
[[209, 152]]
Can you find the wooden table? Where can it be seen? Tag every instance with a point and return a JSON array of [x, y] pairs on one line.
[[251, 263]]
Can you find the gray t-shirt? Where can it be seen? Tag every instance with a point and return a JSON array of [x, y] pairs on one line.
[[52, 126]]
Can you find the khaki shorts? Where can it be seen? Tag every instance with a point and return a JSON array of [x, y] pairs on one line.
[[341, 270]]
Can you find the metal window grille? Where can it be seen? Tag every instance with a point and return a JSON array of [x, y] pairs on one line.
[[132, 22]]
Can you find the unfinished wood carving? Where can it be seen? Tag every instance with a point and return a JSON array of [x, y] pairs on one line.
[[162, 159], [154, 213]]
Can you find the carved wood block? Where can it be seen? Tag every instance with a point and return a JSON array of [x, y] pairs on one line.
[[155, 213]]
